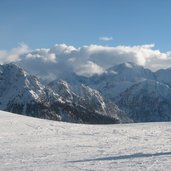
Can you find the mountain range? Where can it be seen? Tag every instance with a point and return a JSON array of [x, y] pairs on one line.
[[142, 94], [23, 93], [123, 93]]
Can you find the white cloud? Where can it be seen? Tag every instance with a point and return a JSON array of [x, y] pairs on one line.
[[88, 69], [14, 54], [144, 55], [43, 54], [85, 60], [105, 38], [3, 55], [62, 49]]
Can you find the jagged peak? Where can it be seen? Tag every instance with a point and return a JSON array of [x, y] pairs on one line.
[[125, 65], [59, 82], [83, 86], [12, 68]]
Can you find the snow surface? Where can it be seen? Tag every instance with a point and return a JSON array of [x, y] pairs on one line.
[[28, 143]]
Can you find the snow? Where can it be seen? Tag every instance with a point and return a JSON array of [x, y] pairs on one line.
[[35, 144]]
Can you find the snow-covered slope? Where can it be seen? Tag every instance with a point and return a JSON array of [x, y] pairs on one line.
[[146, 101], [34, 144]]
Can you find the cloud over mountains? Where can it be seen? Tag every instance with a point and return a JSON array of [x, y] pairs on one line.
[[85, 60]]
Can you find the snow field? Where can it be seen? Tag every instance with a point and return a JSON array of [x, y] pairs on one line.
[[28, 143]]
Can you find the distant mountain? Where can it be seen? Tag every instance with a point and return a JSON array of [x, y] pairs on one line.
[[122, 76], [147, 101], [131, 72], [25, 94], [118, 78], [164, 75]]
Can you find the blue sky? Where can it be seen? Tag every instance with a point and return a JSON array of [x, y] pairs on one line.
[[43, 23]]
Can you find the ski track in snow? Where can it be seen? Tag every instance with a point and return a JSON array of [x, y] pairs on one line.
[[35, 144]]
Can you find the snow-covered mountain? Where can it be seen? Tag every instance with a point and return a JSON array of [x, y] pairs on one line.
[[116, 79], [141, 95], [146, 101], [120, 77], [87, 98], [24, 94], [144, 95], [164, 75], [130, 72]]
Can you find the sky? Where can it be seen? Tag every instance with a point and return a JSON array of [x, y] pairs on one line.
[[84, 36], [43, 23]]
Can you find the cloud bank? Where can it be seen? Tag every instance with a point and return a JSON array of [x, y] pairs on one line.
[[86, 60]]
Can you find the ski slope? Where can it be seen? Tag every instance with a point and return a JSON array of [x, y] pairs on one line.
[[35, 144]]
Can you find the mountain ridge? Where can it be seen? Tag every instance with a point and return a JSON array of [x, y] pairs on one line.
[[24, 94], [123, 93], [123, 79]]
